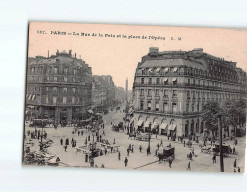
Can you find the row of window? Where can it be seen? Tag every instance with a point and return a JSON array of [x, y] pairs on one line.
[[74, 100], [55, 70], [202, 94], [157, 106], [174, 81]]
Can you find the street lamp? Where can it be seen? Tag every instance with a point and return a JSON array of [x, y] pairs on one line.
[[149, 137], [220, 145]]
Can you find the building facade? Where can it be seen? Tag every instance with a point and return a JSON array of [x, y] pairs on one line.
[[171, 87], [103, 92], [59, 87], [99, 94]]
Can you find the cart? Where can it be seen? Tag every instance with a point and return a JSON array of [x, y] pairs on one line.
[[226, 150], [167, 154], [142, 137]]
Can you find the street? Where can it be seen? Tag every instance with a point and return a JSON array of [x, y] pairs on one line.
[[136, 160]]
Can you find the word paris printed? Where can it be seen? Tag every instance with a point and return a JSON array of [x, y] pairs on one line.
[[135, 97]]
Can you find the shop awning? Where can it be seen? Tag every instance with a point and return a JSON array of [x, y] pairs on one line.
[[33, 97], [175, 69], [158, 69], [174, 79], [166, 69], [139, 123], [172, 127], [150, 69], [163, 126], [29, 96], [154, 125], [147, 124], [165, 79]]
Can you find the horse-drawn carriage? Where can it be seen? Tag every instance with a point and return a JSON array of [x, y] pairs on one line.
[[167, 153], [39, 123], [226, 150], [142, 137], [118, 127]]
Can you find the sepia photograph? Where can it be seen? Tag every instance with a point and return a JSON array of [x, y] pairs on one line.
[[135, 97]]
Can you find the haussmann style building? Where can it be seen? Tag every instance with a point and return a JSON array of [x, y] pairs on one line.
[[59, 87], [171, 87]]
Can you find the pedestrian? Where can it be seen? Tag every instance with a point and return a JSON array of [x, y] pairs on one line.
[[214, 158], [78, 133], [74, 143], [111, 149], [89, 138], [103, 133], [67, 141], [102, 166], [100, 137], [161, 143], [105, 151], [65, 148], [170, 162], [239, 169], [119, 156], [58, 159], [86, 141], [235, 163], [86, 157], [125, 161], [128, 151], [184, 143], [189, 168], [158, 146], [132, 148], [140, 148], [81, 133], [61, 141], [114, 141], [72, 140], [233, 150]]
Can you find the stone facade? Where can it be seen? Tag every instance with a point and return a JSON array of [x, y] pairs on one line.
[[171, 87], [103, 92], [58, 87]]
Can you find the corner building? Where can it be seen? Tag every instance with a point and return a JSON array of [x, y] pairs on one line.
[[58, 87], [171, 87]]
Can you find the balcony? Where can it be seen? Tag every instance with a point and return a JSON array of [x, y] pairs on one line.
[[174, 98], [157, 97], [165, 98], [149, 97]]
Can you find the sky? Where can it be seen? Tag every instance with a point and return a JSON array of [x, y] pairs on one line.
[[116, 49]]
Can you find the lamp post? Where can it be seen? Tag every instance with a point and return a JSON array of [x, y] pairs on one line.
[[149, 137], [220, 146]]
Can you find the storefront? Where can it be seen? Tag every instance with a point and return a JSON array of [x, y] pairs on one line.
[[163, 129]]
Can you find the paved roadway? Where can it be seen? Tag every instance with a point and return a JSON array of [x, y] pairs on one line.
[[203, 162]]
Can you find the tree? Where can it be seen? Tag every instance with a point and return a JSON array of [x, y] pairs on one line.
[[234, 113], [211, 110]]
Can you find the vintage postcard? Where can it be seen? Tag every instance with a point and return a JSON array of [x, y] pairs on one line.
[[135, 97]]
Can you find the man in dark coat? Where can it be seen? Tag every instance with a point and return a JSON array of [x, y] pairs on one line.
[[61, 141], [125, 161], [119, 156]]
